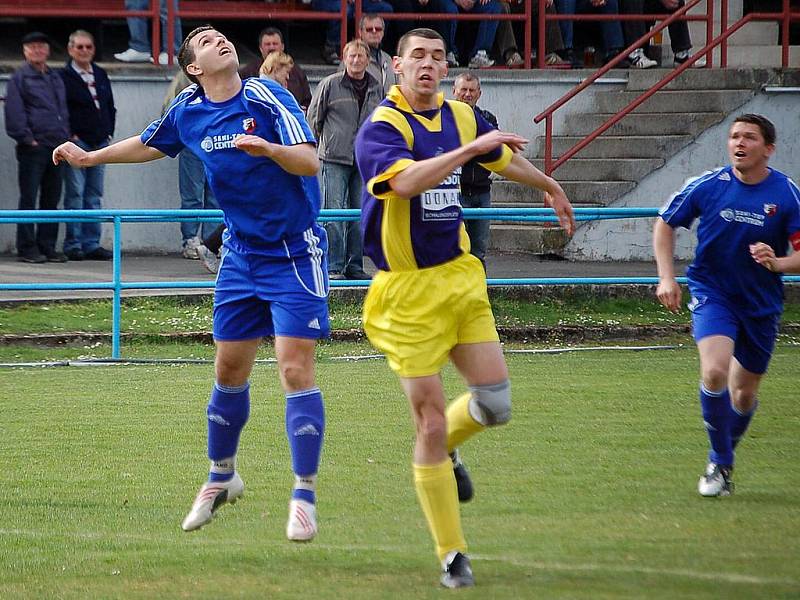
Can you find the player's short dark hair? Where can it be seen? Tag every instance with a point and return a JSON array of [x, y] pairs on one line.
[[186, 53], [764, 124], [423, 32], [270, 31]]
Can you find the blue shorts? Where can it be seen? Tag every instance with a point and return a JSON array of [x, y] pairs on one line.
[[259, 295], [753, 338]]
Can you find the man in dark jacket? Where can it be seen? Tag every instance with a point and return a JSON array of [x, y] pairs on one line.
[[36, 117], [476, 187], [271, 40], [92, 114]]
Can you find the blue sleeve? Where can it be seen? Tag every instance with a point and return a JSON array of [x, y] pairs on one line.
[[162, 134], [287, 116], [381, 153], [683, 206]]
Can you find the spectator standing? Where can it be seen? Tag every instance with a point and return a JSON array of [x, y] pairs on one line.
[[476, 186], [333, 32], [139, 47], [342, 102], [271, 40], [479, 56], [193, 186], [92, 116], [37, 118], [277, 66], [372, 30]]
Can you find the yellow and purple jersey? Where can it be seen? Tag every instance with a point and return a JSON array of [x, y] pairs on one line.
[[403, 234]]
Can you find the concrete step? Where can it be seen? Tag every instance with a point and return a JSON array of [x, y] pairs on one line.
[[605, 169], [524, 238], [760, 33], [644, 123], [760, 56], [593, 193], [627, 146], [704, 79], [675, 101]]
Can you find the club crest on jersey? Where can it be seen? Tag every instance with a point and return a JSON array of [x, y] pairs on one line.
[[249, 125], [770, 209]]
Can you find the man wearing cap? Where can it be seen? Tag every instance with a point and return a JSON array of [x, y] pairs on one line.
[[37, 118]]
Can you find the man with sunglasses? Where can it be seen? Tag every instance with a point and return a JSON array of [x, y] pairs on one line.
[[372, 30], [92, 115]]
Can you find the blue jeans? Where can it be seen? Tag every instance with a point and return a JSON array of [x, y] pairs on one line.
[[139, 31], [39, 179], [612, 30], [195, 193], [341, 188], [486, 30], [477, 230], [332, 33], [83, 190]]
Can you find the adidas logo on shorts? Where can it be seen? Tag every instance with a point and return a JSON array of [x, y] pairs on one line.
[[314, 323]]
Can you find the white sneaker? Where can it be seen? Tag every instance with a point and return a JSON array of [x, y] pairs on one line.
[[302, 523], [190, 247], [683, 55], [716, 481], [132, 56], [481, 60], [163, 59], [639, 60], [452, 59], [208, 258], [211, 496]]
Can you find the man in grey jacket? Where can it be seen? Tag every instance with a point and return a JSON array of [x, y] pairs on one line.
[[340, 104], [37, 118]]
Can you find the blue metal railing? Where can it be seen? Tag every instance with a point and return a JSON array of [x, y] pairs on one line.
[[117, 217]]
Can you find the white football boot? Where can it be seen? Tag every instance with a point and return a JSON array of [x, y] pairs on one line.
[[302, 523], [211, 496], [716, 481]]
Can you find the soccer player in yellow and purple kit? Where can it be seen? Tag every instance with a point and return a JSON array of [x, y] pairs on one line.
[[428, 302]]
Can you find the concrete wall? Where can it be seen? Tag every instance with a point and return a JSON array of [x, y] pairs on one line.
[[514, 98], [630, 239]]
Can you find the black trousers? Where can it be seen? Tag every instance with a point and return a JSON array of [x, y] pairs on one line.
[[633, 30], [38, 177]]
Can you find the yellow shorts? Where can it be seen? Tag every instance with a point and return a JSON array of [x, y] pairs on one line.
[[416, 317]]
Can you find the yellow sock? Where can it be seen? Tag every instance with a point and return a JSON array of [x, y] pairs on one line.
[[460, 424], [436, 490]]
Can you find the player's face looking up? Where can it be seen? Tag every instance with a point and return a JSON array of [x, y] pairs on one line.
[[213, 53], [422, 66], [747, 149]]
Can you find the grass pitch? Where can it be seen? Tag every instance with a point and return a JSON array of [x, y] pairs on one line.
[[590, 491]]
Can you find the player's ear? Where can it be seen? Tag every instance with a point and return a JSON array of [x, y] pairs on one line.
[[194, 70], [397, 64]]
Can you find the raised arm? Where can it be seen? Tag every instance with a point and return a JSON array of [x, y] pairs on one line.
[[668, 290], [130, 150], [299, 159], [522, 171], [424, 174]]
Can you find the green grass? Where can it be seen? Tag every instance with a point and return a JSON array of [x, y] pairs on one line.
[[588, 493]]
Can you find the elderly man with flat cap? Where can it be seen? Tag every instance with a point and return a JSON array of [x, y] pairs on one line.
[[37, 118]]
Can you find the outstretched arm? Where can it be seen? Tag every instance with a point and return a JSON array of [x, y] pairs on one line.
[[130, 150], [424, 174], [668, 291], [764, 255], [522, 171], [299, 159]]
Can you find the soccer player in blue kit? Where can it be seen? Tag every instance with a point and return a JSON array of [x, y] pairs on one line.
[[428, 303], [261, 161], [749, 214]]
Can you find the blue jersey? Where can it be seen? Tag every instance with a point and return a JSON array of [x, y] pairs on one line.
[[732, 216], [404, 234], [263, 204]]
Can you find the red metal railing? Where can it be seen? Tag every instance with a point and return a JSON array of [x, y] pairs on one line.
[[786, 16]]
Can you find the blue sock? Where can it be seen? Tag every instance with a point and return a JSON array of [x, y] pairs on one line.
[[740, 422], [305, 428], [227, 412], [716, 417]]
